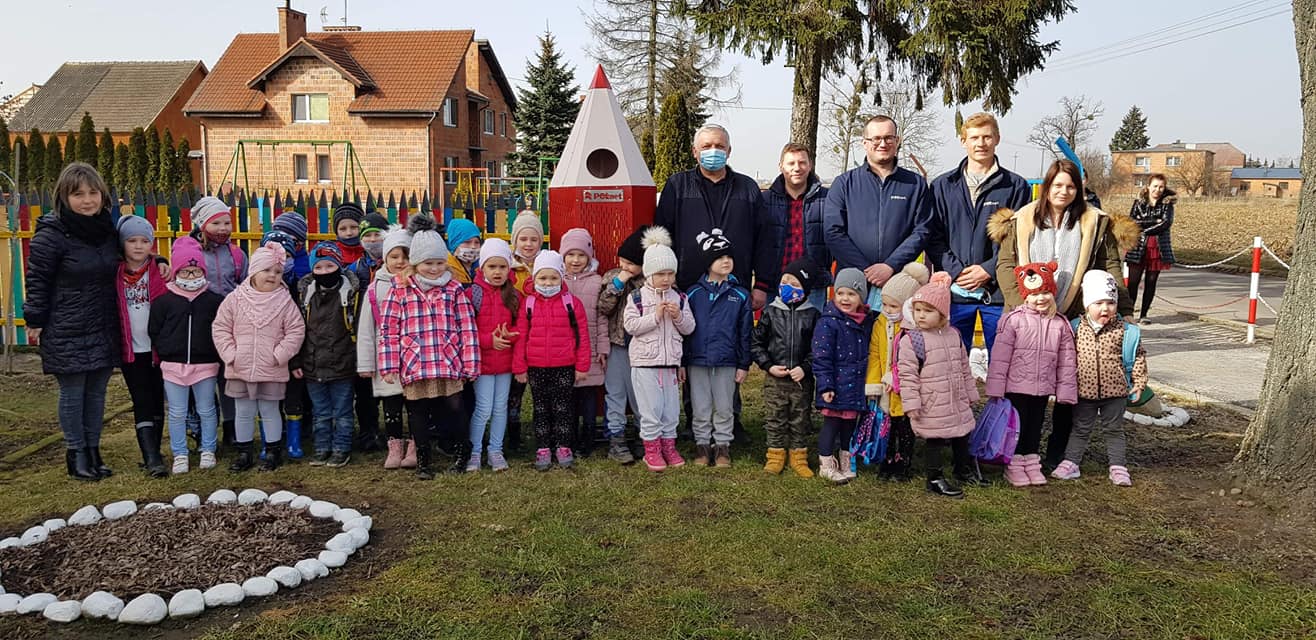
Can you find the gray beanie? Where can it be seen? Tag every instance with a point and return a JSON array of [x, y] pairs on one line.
[[207, 208], [852, 278], [426, 242], [135, 226], [396, 236]]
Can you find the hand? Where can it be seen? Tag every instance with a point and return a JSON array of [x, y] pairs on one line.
[[34, 335], [500, 343], [758, 298], [778, 371], [916, 414], [520, 377], [828, 396], [603, 360], [740, 375], [297, 373], [674, 310], [680, 375], [972, 277], [166, 272], [364, 374], [878, 274], [797, 374], [580, 376], [624, 276]]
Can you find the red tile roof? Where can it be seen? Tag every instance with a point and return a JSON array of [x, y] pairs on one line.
[[410, 70]]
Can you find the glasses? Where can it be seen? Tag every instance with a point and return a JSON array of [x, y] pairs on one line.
[[878, 141]]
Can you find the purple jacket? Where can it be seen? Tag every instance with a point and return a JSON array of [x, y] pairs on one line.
[[1034, 355]]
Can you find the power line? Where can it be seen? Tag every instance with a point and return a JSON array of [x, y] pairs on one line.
[[1163, 33]]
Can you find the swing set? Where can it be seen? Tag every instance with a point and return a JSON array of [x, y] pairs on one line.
[[266, 148]]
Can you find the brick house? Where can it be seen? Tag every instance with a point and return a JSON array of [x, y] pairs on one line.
[[410, 103], [1268, 182], [1194, 167]]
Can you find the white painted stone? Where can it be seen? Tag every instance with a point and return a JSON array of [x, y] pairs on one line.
[[55, 524], [363, 522], [35, 535], [286, 576], [120, 509], [259, 587], [187, 501], [9, 603], [333, 559], [102, 605], [224, 595], [281, 497], [222, 496], [252, 496], [156, 506], [341, 542], [187, 603], [35, 603], [311, 568], [63, 611], [147, 608], [343, 515], [359, 536], [84, 516], [300, 502], [323, 509], [12, 541]]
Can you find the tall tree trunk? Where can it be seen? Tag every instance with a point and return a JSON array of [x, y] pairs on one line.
[[1279, 448], [805, 98], [650, 98]]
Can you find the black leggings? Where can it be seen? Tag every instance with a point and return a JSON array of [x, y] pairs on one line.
[[1032, 413], [834, 429], [393, 415], [959, 452], [587, 410], [444, 412], [1136, 273], [551, 392], [899, 448], [146, 387]]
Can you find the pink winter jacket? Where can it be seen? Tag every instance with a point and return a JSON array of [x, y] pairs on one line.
[[586, 287], [656, 342], [939, 398], [1034, 355], [257, 334]]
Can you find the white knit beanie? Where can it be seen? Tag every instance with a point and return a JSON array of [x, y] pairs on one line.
[[396, 236], [1099, 285], [658, 254], [549, 259], [207, 208], [496, 248], [426, 241]]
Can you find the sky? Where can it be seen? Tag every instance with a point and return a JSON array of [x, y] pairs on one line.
[[1236, 85]]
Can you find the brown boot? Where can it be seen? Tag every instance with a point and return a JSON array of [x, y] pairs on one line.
[[722, 453], [776, 461], [702, 455], [800, 463]]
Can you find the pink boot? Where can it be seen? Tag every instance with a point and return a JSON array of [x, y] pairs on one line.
[[1033, 467], [653, 455], [1015, 473], [409, 460], [670, 455], [394, 458]]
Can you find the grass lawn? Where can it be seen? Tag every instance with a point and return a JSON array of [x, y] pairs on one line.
[[603, 552]]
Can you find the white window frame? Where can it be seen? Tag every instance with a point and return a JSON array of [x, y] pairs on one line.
[[1173, 161], [503, 123], [1142, 161], [450, 112], [492, 167], [489, 122], [300, 169], [449, 177], [307, 98], [324, 172]]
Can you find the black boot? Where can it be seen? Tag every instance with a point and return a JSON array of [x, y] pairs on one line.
[[367, 441], [968, 475], [98, 465], [273, 456], [148, 440], [230, 437], [461, 453], [243, 460], [79, 465], [943, 487], [512, 438], [424, 461]]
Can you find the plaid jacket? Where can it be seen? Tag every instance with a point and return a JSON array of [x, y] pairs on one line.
[[428, 335]]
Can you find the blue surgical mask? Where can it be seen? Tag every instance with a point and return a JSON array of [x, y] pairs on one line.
[[548, 291], [713, 159], [789, 294]]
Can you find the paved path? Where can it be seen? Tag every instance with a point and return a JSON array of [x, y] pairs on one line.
[[1217, 296]]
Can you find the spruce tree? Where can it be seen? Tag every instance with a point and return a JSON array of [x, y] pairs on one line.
[[70, 149], [152, 159], [123, 175], [165, 166], [6, 155], [1132, 133], [35, 159], [675, 130], [87, 144], [183, 166], [20, 163], [547, 109], [105, 154], [54, 161], [137, 163]]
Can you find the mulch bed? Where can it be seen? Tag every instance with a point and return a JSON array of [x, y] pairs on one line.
[[165, 551]]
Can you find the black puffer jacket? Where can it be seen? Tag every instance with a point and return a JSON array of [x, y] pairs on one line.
[[180, 329], [71, 298], [329, 350], [784, 336]]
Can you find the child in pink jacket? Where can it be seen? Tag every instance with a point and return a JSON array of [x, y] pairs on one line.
[[584, 282], [1033, 359], [936, 388], [257, 331]]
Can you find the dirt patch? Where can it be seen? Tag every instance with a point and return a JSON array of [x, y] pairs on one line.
[[165, 551]]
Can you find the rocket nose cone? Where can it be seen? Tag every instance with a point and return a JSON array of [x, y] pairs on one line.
[[600, 79]]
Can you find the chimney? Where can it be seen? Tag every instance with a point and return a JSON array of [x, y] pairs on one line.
[[292, 26]]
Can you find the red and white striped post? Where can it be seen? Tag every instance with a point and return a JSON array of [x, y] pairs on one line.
[[1255, 291]]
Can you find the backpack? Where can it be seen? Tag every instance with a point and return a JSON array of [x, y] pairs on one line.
[[637, 298], [920, 352], [1132, 340], [571, 315], [997, 433]]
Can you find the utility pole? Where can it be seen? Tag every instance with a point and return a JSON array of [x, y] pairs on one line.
[[1015, 168]]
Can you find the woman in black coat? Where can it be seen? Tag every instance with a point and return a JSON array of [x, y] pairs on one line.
[[1154, 213], [71, 310]]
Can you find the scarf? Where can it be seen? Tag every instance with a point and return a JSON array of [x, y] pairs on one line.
[[260, 308], [131, 278], [93, 229]]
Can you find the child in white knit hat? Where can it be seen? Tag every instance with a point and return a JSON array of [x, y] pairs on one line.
[[395, 251]]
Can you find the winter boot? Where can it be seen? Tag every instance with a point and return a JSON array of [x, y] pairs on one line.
[[670, 455], [829, 469], [653, 455], [800, 462], [148, 440], [424, 461], [703, 455], [461, 452], [943, 487], [395, 451], [1015, 473], [512, 437], [776, 461], [97, 464], [1033, 467], [619, 452], [273, 456], [292, 437], [722, 456], [230, 434], [243, 460], [79, 465], [409, 458], [845, 461]]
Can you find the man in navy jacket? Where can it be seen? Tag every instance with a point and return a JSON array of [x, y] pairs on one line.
[[796, 200], [962, 201], [876, 216]]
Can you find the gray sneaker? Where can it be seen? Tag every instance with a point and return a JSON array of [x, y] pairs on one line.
[[497, 461], [473, 464], [339, 459], [619, 452], [321, 458]]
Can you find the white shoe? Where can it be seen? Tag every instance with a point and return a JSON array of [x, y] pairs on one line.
[[207, 459], [828, 470], [844, 465], [180, 464]]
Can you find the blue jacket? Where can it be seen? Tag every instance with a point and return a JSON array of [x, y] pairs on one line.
[[740, 214], [724, 321], [958, 234], [365, 267], [868, 220], [301, 267], [840, 358], [815, 195]]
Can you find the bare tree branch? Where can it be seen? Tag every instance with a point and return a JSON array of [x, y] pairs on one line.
[[1076, 123]]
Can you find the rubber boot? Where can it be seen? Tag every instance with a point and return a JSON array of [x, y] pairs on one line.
[[776, 461], [97, 464], [292, 437], [243, 460], [424, 461], [799, 461], [273, 457], [148, 440], [79, 465]]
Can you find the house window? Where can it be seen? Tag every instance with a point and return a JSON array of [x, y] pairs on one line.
[[449, 112], [1173, 161], [299, 172], [503, 123], [488, 122], [1284, 185], [492, 167], [323, 169], [1142, 161], [1140, 181], [310, 107], [450, 177]]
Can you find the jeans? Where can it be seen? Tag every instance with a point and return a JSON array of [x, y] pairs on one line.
[[332, 403], [203, 394], [490, 409], [620, 391], [82, 406], [962, 317]]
